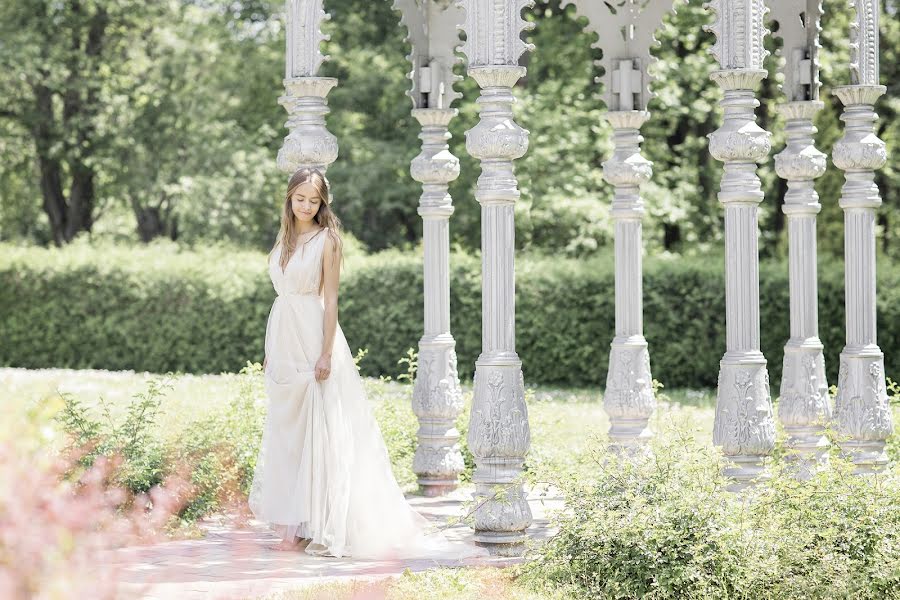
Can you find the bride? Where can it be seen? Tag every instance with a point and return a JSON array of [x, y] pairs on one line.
[[323, 477]]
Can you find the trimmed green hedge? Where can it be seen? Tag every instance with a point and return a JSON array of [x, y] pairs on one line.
[[159, 308]]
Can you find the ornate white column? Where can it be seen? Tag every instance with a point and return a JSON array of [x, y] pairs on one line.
[[804, 407], [437, 399], [744, 426], [861, 408], [308, 143], [499, 436], [625, 34], [628, 400]]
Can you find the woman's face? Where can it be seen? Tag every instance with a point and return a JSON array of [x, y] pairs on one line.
[[305, 202]]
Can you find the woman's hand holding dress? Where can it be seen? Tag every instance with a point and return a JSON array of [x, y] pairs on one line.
[[323, 367]]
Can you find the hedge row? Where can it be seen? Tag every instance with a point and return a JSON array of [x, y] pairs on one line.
[[159, 308]]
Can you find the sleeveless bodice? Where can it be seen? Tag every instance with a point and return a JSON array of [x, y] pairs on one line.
[[303, 273]]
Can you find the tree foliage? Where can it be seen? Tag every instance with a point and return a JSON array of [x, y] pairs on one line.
[[164, 115]]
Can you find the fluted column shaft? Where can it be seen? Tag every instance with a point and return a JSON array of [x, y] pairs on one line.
[[629, 398], [499, 435], [804, 404], [744, 426], [437, 399], [861, 409]]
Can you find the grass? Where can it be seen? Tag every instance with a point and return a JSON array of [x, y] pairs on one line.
[[434, 584], [563, 421]]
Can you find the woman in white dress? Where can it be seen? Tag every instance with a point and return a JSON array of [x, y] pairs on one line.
[[323, 477]]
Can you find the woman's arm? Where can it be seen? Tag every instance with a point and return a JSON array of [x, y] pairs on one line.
[[331, 271]]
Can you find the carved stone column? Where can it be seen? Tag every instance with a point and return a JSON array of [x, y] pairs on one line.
[[432, 32], [628, 400], [804, 408], [437, 399], [499, 435], [308, 143], [625, 34], [744, 426], [861, 408]]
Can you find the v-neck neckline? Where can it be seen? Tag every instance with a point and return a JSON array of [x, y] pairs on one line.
[[288, 264]]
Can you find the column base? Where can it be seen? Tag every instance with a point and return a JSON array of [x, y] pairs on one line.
[[437, 400], [499, 438], [628, 399], [744, 425], [432, 488], [867, 457], [861, 411], [501, 518], [804, 406], [744, 472], [806, 450]]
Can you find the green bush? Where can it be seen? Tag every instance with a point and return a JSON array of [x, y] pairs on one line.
[[664, 527], [160, 308]]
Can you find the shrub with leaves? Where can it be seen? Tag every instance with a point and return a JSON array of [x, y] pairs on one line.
[[663, 526], [131, 439]]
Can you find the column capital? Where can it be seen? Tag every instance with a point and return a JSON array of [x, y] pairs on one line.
[[308, 143], [738, 79]]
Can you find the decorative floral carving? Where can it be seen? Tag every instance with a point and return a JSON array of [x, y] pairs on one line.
[[861, 406], [629, 389], [499, 422], [438, 462], [804, 393], [744, 425], [504, 511], [869, 153]]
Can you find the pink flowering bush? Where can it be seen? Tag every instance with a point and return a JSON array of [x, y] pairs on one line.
[[59, 522]]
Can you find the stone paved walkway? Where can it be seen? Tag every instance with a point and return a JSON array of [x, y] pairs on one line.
[[236, 563]]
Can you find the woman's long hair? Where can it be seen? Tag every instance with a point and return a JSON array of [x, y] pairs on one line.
[[325, 217]]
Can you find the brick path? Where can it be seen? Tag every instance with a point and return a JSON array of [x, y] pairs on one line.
[[235, 563]]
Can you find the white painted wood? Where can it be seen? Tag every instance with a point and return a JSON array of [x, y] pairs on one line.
[[433, 33], [499, 436]]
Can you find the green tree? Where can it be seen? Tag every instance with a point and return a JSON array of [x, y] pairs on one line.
[[61, 66]]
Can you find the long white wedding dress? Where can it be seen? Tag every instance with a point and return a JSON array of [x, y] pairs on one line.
[[323, 471]]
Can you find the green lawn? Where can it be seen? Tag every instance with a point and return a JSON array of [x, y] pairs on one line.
[[563, 421]]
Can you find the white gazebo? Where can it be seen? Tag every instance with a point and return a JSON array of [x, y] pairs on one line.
[[499, 434]]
